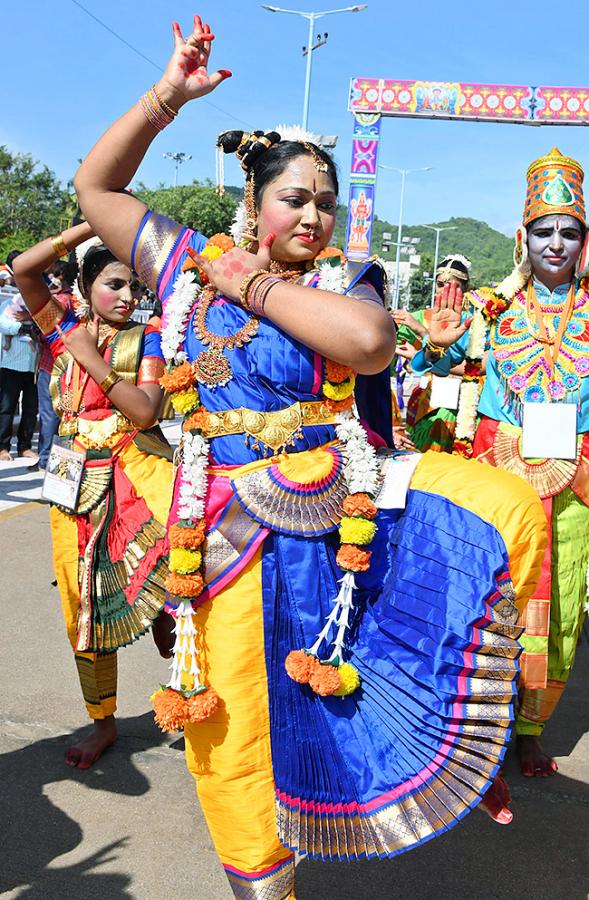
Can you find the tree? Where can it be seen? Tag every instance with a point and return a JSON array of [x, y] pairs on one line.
[[32, 201], [196, 205], [418, 294]]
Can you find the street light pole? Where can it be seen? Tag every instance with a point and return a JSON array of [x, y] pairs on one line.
[[312, 17], [177, 157], [438, 231], [308, 71], [403, 173]]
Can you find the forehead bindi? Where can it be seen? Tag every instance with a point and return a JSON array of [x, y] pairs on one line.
[[301, 175]]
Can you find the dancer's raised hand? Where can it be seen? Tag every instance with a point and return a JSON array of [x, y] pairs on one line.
[[228, 271], [187, 72], [446, 326]]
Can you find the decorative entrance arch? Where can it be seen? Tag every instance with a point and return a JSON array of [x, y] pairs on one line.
[[373, 98]]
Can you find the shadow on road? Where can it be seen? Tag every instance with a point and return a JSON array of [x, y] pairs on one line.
[[35, 832]]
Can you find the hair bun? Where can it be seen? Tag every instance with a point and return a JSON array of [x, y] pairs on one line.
[[247, 145]]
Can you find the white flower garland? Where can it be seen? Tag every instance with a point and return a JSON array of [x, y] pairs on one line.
[[470, 390], [361, 470], [176, 315], [193, 477]]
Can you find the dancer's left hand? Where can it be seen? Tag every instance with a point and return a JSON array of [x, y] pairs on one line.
[[228, 271]]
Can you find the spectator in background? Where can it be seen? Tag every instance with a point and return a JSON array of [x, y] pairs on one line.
[[62, 274], [18, 365]]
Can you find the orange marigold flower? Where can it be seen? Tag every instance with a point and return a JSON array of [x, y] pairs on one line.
[[353, 558], [181, 378], [337, 373], [360, 505], [189, 538], [223, 241], [336, 406], [170, 710], [201, 706], [329, 252], [184, 585], [197, 421], [325, 680], [300, 666]]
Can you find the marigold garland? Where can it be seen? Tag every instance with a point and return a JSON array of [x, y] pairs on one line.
[[189, 586], [353, 559], [187, 536], [185, 401], [184, 561], [360, 505]]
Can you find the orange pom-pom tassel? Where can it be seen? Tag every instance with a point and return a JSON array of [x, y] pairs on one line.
[[300, 666], [202, 706], [360, 505], [325, 680], [170, 710]]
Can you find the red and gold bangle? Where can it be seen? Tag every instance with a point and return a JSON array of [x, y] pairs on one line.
[[259, 293]]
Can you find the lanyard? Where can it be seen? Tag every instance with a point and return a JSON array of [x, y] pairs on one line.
[[551, 345]]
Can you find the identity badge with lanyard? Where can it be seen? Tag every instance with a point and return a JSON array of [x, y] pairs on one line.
[[65, 466], [549, 429]]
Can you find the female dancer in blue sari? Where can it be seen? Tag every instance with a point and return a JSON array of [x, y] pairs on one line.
[[344, 669]]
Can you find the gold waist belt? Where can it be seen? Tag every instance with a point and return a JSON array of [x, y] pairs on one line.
[[276, 430], [96, 433]]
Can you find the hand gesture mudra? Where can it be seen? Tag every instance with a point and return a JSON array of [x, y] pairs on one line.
[[187, 71], [228, 271], [446, 326], [82, 342]]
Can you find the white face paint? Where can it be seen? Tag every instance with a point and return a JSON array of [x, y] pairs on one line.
[[554, 246]]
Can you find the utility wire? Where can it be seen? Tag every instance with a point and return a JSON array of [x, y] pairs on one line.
[[150, 61]]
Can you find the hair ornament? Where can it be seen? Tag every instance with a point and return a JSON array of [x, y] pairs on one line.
[[456, 258]]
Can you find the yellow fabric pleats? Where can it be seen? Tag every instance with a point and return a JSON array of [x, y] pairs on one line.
[[505, 501], [229, 754], [151, 476]]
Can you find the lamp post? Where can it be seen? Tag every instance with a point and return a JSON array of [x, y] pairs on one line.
[[308, 50], [178, 158], [403, 173], [438, 231]]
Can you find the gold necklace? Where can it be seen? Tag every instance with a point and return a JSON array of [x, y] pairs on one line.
[[211, 366]]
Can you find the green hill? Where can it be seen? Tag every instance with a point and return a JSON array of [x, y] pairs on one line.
[[489, 251]]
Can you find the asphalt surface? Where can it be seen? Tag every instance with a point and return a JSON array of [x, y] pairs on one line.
[[131, 827]]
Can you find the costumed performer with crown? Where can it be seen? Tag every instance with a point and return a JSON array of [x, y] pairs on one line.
[[535, 326], [322, 715], [110, 547]]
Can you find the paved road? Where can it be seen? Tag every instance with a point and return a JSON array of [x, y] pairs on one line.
[[131, 827]]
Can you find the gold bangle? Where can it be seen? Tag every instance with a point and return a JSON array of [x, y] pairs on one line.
[[434, 349], [59, 247], [108, 383], [166, 108]]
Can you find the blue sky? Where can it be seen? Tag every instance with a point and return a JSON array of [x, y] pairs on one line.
[[66, 78]]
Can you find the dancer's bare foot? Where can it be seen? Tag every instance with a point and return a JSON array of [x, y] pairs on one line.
[[91, 748], [496, 800], [163, 634], [533, 761]]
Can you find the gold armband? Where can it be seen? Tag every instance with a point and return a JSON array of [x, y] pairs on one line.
[[59, 247], [108, 383]]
